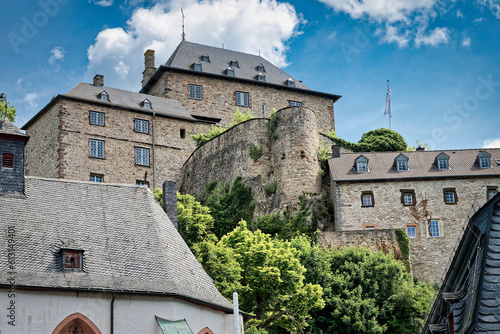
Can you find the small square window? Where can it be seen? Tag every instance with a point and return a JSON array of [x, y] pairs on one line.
[[229, 72], [411, 231], [295, 103], [195, 92], [402, 165], [96, 148], [142, 156], [96, 118], [197, 67], [7, 160], [234, 63], [242, 99], [146, 104], [290, 82], [141, 125], [72, 259], [142, 183], [205, 58], [261, 77], [104, 96], [407, 197], [442, 164], [434, 230], [484, 163], [367, 199], [362, 167], [96, 178], [450, 197]]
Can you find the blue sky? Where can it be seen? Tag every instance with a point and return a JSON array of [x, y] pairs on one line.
[[441, 57]]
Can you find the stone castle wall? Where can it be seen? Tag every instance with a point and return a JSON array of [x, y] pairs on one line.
[[289, 159], [430, 255], [384, 239], [219, 97]]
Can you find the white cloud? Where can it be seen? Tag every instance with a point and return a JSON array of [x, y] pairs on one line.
[[102, 3], [31, 100], [492, 143], [57, 54], [460, 15], [466, 42], [250, 26], [494, 6], [434, 38], [391, 34], [332, 35], [479, 19]]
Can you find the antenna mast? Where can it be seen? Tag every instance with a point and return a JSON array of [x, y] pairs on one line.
[[183, 34]]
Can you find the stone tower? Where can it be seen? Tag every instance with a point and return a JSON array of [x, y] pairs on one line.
[[12, 144]]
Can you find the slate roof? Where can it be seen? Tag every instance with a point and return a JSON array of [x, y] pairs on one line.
[[129, 243], [471, 288], [421, 164], [7, 128], [122, 99]]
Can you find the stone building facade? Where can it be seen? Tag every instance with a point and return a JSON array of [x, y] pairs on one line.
[[104, 134], [429, 198], [211, 83]]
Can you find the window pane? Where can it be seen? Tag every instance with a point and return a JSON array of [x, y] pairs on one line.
[[367, 200], [402, 166], [450, 197], [361, 167], [141, 126], [295, 103], [408, 199], [242, 99], [96, 148], [195, 92], [434, 228], [97, 118], [484, 163], [443, 164], [411, 231], [96, 178], [142, 156]]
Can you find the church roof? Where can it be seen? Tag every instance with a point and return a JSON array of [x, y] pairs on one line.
[[9, 129], [129, 244]]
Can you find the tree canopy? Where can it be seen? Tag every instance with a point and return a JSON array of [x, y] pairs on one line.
[[6, 109], [378, 140]]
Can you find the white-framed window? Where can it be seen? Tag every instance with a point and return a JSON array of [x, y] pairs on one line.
[[449, 197], [362, 167], [142, 183], [367, 200], [434, 230], [295, 103], [411, 231], [442, 164], [141, 125], [242, 99], [96, 148], [195, 92], [402, 165], [484, 163], [96, 118], [142, 156], [96, 178], [408, 199], [290, 82]]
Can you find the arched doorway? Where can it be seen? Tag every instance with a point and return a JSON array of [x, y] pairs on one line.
[[76, 323], [205, 330]]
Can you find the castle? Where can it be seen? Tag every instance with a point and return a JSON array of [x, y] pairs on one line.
[[104, 134]]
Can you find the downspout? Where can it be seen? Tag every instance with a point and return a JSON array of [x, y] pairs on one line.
[[112, 318], [338, 204], [154, 157]]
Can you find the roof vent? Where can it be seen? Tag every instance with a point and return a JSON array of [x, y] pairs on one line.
[[99, 80]]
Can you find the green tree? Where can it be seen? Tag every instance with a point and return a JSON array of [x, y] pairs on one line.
[[378, 140], [195, 221], [6, 109]]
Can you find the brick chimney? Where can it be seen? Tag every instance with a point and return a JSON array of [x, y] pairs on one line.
[[12, 156], [170, 201], [99, 80], [149, 66], [335, 151]]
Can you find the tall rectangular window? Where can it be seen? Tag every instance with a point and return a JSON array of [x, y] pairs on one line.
[[434, 230], [142, 156], [96, 118], [442, 164], [362, 167], [96, 148], [7, 160], [402, 165], [367, 199], [195, 92], [411, 230], [141, 125], [96, 178], [407, 197], [242, 99], [484, 163]]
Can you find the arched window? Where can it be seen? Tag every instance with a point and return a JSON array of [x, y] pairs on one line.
[[206, 330], [76, 323], [7, 160]]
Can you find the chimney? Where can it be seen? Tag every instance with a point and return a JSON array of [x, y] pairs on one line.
[[99, 80], [12, 156], [149, 66], [170, 201], [420, 148], [335, 151]]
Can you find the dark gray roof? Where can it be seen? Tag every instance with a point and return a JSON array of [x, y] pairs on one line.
[[129, 243], [7, 128], [421, 164], [187, 53], [471, 288]]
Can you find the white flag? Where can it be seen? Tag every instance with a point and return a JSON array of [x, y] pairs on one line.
[[388, 100]]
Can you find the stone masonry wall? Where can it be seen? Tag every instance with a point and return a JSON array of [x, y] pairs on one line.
[[374, 239], [12, 179], [430, 255], [289, 159], [118, 166], [219, 97]]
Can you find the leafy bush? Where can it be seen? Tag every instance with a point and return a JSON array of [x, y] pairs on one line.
[[255, 152], [271, 187], [379, 140]]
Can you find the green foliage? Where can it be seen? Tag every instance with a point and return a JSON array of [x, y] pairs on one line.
[[271, 187], [158, 193], [255, 152], [228, 205], [379, 140], [238, 117], [419, 144], [195, 221], [405, 247], [6, 110], [272, 124], [324, 151]]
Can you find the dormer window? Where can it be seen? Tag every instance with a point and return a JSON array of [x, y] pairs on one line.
[[72, 259], [401, 163], [261, 77], [261, 68], [7, 160], [230, 72], [361, 164], [104, 96], [234, 63], [484, 160], [442, 161], [205, 58], [197, 66], [146, 104], [290, 82]]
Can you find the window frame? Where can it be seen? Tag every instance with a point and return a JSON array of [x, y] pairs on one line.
[[429, 228], [195, 88], [408, 192], [452, 191], [293, 103], [261, 68], [141, 121], [290, 82], [8, 160], [65, 252], [97, 113], [146, 104], [367, 194], [197, 67], [94, 175], [369, 227], [415, 227], [96, 149], [487, 163], [104, 96], [230, 72], [364, 166], [142, 149], [260, 77], [234, 63], [243, 94], [446, 165]]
